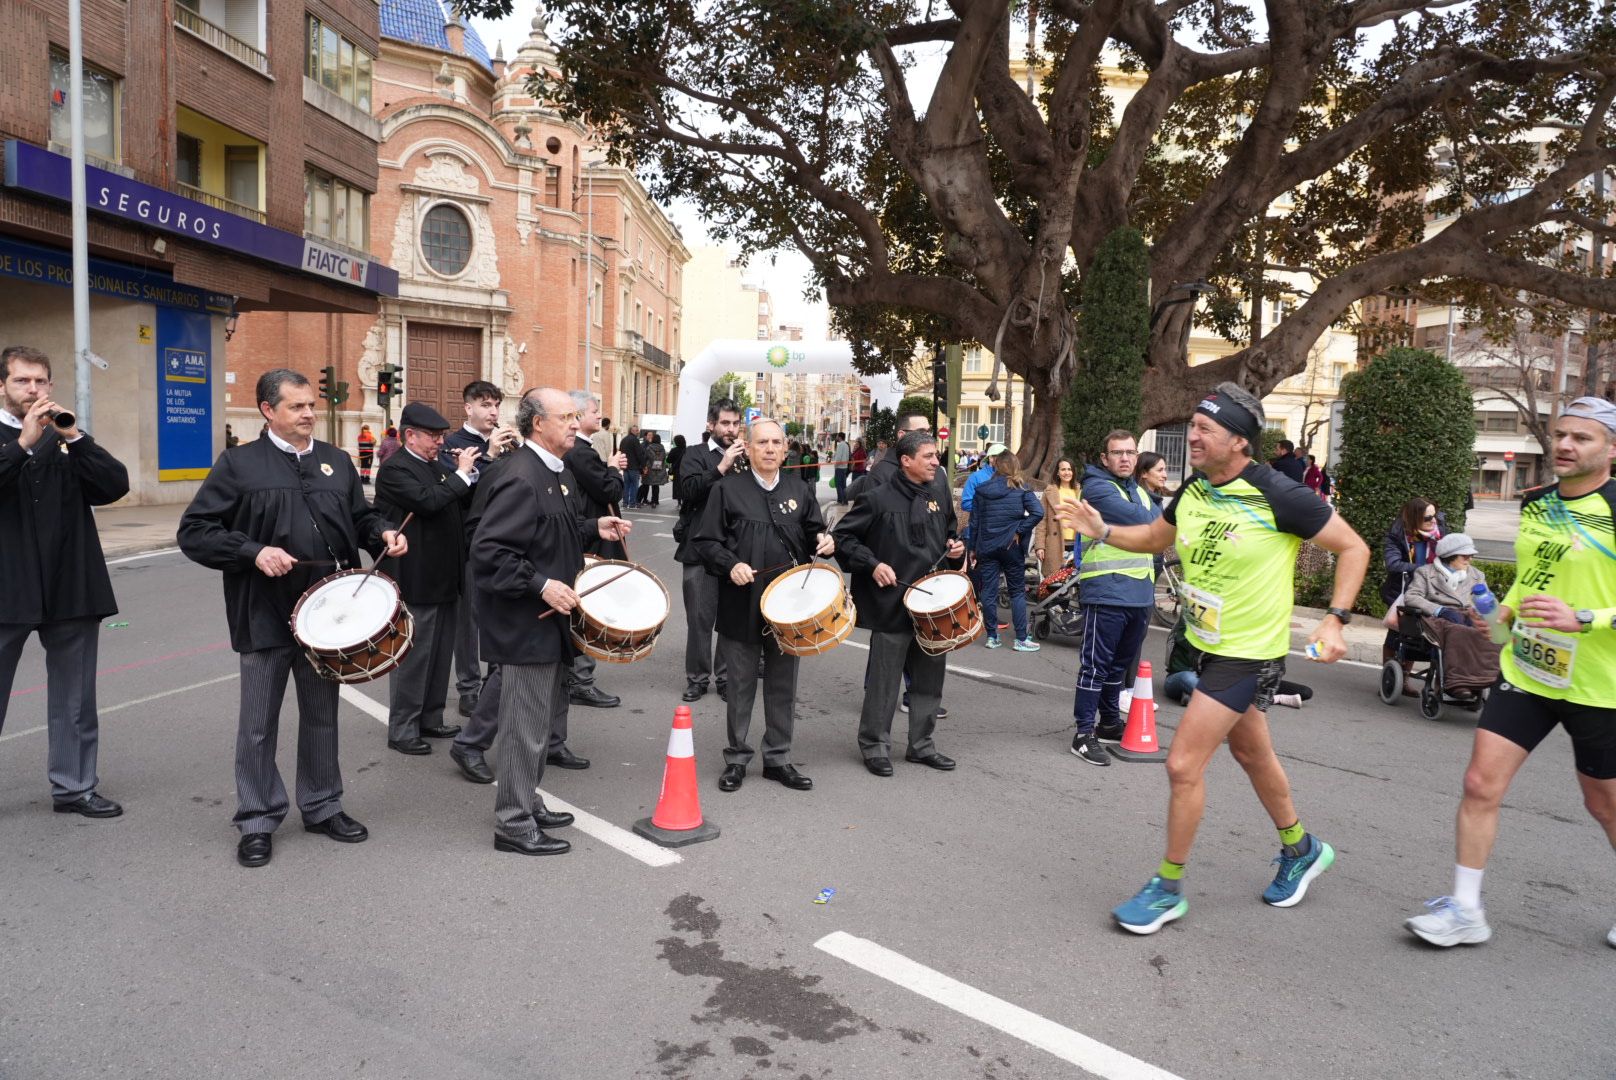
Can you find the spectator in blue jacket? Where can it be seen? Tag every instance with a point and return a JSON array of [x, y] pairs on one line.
[[984, 469], [1117, 589], [1001, 529]]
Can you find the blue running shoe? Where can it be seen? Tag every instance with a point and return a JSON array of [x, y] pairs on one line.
[[992, 642], [1153, 908], [1296, 872]]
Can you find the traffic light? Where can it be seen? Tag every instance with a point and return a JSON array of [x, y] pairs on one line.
[[939, 385], [945, 381], [328, 382], [341, 395], [386, 378]]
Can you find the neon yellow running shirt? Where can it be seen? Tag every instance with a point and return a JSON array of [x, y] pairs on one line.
[[1566, 549], [1237, 546]]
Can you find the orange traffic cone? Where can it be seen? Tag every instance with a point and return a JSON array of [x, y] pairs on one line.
[[677, 820], [1139, 737]]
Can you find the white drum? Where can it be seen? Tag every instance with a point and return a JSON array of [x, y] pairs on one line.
[[353, 638], [808, 610], [618, 622], [944, 610]]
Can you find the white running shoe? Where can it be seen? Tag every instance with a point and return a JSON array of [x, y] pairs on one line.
[[1610, 938], [1447, 924], [1290, 701]]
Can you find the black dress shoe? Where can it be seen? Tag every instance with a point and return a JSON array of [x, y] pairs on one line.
[[340, 827], [468, 704], [534, 845], [594, 697], [880, 766], [564, 758], [551, 819], [933, 759], [723, 692], [91, 805], [787, 775], [732, 776], [413, 747], [471, 764], [441, 731], [254, 849], [693, 692]]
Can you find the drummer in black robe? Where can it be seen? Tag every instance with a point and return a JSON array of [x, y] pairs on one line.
[[276, 515], [896, 534], [755, 525]]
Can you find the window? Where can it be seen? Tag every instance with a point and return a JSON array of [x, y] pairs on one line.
[[100, 97], [446, 239], [552, 185], [338, 64], [241, 175], [188, 160], [335, 210], [1337, 371], [598, 302], [1506, 422], [966, 422], [996, 416], [973, 359]]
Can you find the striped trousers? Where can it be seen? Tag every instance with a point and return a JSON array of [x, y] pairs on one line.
[[261, 803], [531, 697]]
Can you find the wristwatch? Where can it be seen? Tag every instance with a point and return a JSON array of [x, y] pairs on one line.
[[1585, 618], [1342, 615]]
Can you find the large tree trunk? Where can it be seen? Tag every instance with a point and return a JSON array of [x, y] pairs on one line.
[[1041, 438]]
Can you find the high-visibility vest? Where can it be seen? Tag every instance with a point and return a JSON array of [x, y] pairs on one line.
[[1105, 559]]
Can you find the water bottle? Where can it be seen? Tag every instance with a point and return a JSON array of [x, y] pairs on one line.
[[1487, 607]]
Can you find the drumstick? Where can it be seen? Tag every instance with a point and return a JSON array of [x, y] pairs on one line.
[[378, 562], [315, 562], [909, 585], [622, 540], [595, 588]]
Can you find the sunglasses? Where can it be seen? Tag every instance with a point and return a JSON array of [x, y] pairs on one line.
[[1429, 517]]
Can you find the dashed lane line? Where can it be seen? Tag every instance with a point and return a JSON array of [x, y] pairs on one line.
[[599, 828], [142, 555], [1062, 1042]]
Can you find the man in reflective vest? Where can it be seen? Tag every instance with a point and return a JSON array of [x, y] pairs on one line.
[[1116, 589]]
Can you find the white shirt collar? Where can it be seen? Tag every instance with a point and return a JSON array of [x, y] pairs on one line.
[[282, 445], [10, 421], [769, 485], [712, 444], [554, 463]]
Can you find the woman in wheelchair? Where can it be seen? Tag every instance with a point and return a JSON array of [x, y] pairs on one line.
[[1439, 594]]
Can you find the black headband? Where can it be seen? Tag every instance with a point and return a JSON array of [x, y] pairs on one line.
[[1230, 414]]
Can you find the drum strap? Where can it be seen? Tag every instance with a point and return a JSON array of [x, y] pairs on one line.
[[303, 488]]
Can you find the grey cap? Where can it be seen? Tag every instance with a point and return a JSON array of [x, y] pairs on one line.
[[1596, 409], [1455, 544]]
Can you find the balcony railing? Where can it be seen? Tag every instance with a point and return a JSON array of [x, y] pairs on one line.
[[657, 356], [219, 201], [220, 39]]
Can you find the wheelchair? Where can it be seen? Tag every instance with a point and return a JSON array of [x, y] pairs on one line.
[[1416, 646]]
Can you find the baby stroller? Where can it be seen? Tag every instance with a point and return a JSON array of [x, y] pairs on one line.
[[1416, 645], [1051, 601]]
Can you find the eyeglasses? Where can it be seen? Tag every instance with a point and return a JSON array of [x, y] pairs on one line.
[[1122, 453]]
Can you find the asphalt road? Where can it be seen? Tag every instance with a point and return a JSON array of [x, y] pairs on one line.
[[137, 947]]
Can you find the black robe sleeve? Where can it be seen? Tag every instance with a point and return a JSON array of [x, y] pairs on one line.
[[850, 533], [102, 478], [207, 534]]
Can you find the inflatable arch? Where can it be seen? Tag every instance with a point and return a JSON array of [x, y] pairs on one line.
[[786, 357]]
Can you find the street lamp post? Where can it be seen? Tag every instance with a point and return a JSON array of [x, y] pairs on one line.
[[80, 214]]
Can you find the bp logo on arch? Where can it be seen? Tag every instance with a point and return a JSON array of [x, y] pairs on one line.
[[779, 356]]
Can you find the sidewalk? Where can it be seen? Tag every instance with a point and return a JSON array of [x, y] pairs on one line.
[[131, 530], [1364, 635]]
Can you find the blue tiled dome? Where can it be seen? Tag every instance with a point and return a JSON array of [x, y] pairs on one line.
[[420, 22]]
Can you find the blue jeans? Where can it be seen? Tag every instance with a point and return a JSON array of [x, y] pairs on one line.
[[839, 481], [631, 488], [989, 565], [1112, 639], [1180, 685]]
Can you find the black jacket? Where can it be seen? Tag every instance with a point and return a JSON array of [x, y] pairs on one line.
[[698, 472], [259, 496], [904, 525], [430, 573], [51, 566], [744, 523], [634, 452], [460, 439], [1402, 558], [528, 532], [600, 487]]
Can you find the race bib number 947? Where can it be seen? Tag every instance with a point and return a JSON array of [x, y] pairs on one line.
[[1203, 614]]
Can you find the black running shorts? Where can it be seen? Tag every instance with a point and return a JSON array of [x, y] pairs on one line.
[[1525, 719], [1240, 684]]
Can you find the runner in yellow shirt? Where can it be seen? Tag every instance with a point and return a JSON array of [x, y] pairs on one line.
[[1237, 525], [1559, 667]]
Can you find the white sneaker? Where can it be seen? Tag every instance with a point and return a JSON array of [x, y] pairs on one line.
[[1610, 938], [1290, 701], [1448, 924]]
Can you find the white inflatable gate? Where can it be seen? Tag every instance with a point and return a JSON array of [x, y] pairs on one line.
[[786, 357]]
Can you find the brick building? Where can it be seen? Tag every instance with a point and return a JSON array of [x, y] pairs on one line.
[[205, 122], [521, 260]]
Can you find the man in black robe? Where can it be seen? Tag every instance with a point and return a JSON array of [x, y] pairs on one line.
[[756, 524], [600, 489], [481, 431], [895, 534], [527, 551], [702, 467], [415, 482], [53, 577], [276, 515]]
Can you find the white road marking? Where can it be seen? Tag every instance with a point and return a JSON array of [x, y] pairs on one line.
[[977, 673], [131, 704], [611, 835], [665, 536], [1068, 1045], [142, 555]]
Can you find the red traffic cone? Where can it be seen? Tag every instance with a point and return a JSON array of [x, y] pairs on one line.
[[677, 820], [1139, 737]]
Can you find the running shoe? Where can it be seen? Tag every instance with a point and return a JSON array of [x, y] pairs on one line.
[[1151, 909], [1448, 924], [1290, 701], [1026, 645], [1610, 938], [903, 704], [993, 641], [1296, 872], [1089, 749]]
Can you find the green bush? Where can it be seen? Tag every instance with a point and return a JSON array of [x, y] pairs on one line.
[[1115, 331], [883, 424], [921, 404], [1500, 576], [1407, 430]]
